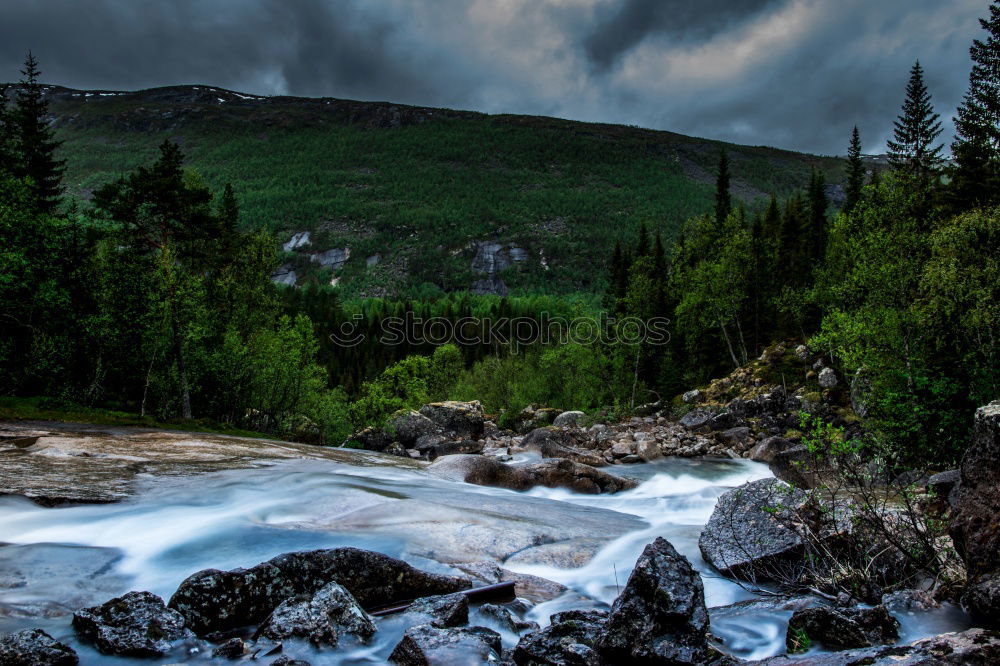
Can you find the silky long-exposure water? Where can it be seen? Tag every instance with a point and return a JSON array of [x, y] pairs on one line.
[[60, 559]]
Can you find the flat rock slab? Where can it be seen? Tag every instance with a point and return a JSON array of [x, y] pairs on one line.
[[63, 463]]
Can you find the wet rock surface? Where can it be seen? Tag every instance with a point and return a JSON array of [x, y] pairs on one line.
[[840, 628], [569, 640], [660, 616], [975, 647], [746, 536], [450, 610], [551, 473], [137, 624], [321, 618], [34, 647], [425, 645], [214, 600], [461, 420], [975, 521], [78, 463]]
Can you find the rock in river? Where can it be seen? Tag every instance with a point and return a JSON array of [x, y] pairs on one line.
[[136, 624], [425, 645], [321, 618], [34, 647], [840, 628], [551, 473], [463, 420], [214, 600], [660, 616], [975, 523], [570, 640], [745, 537]]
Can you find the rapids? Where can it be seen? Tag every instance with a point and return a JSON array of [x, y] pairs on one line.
[[64, 558]]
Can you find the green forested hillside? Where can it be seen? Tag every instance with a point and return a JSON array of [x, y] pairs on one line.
[[418, 186]]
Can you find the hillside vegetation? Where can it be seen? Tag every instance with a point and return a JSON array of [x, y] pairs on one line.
[[420, 187]]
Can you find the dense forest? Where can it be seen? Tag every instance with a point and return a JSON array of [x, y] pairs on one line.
[[152, 298]]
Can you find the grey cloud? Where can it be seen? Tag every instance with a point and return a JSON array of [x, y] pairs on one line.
[[684, 21], [667, 64]]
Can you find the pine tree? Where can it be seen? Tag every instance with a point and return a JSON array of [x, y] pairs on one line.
[[642, 245], [723, 198], [7, 147], [36, 144], [977, 144], [855, 172], [912, 149], [818, 205]]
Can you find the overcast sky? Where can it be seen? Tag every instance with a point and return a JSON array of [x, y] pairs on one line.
[[790, 73]]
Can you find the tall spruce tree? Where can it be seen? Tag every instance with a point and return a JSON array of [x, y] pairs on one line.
[[819, 202], [855, 172], [36, 143], [976, 177], [642, 245], [8, 164], [912, 148], [723, 197]]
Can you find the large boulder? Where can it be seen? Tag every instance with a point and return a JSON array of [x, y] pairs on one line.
[[425, 645], [569, 640], [551, 473], [768, 449], [660, 616], [570, 419], [975, 521], [371, 439], [407, 426], [696, 418], [441, 611], [321, 618], [462, 420], [558, 443], [433, 447], [136, 624], [975, 647], [34, 647], [747, 536], [213, 600], [840, 628]]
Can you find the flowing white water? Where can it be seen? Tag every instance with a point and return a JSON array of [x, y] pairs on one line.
[[177, 526]]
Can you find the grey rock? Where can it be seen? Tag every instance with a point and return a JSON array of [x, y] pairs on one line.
[[696, 418], [694, 395], [407, 426], [299, 239], [137, 624], [334, 258], [974, 520], [503, 618], [34, 647], [802, 353], [734, 437], [234, 648], [769, 448], [909, 601], [441, 611], [464, 420], [975, 647], [556, 443], [443, 447], [745, 537], [569, 419], [841, 628], [551, 473], [321, 617], [425, 645], [214, 600], [828, 378], [532, 588], [569, 640], [660, 616], [285, 660]]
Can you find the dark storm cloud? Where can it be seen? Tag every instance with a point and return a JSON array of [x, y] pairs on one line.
[[682, 21], [792, 73]]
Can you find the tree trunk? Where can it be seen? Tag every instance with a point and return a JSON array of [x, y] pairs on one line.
[[729, 344]]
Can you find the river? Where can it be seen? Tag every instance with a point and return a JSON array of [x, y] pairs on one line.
[[63, 558]]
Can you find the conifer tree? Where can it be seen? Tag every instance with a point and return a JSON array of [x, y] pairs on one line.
[[642, 245], [7, 148], [855, 172], [35, 140], [977, 144], [912, 148], [818, 205], [723, 198]]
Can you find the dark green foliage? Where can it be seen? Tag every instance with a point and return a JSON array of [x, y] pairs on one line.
[[912, 149], [975, 181], [36, 144], [855, 173], [723, 197]]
